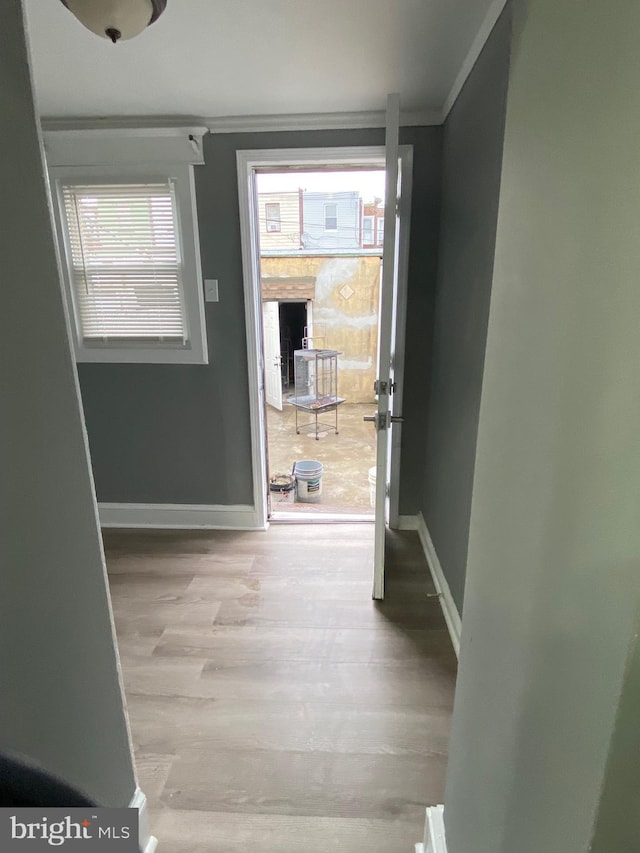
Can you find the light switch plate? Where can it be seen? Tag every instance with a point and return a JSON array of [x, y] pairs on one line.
[[211, 290]]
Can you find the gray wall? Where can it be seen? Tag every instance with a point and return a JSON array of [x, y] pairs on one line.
[[618, 825], [61, 703], [554, 548], [472, 155], [181, 433]]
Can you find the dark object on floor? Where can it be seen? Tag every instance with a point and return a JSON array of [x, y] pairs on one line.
[[23, 786]]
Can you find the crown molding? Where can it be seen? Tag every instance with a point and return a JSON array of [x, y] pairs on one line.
[[127, 125], [482, 36], [166, 125], [318, 121], [101, 145]]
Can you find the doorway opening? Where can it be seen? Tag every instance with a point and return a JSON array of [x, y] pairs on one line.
[[320, 234], [295, 320], [395, 163]]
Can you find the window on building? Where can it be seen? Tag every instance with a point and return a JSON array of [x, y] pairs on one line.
[[331, 216], [272, 216], [367, 230], [380, 235], [134, 283]]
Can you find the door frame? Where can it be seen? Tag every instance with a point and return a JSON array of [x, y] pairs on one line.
[[248, 162]]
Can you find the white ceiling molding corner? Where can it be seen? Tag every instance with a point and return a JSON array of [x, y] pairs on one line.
[[172, 125], [425, 118], [124, 145], [482, 36]]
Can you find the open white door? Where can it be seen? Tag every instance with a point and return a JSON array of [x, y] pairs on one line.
[[386, 416], [272, 355]]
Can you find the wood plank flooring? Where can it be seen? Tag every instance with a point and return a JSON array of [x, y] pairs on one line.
[[274, 706]]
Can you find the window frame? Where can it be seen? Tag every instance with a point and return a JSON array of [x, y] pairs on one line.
[[372, 220], [326, 205], [379, 230], [270, 220], [195, 349]]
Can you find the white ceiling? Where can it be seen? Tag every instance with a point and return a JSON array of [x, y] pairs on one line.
[[210, 58]]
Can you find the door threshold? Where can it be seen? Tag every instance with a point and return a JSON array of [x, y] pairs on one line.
[[320, 518]]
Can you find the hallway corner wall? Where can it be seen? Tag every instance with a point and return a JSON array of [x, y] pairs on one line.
[[472, 160], [62, 705], [552, 581]]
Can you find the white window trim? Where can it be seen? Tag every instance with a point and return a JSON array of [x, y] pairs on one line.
[[194, 351], [379, 230]]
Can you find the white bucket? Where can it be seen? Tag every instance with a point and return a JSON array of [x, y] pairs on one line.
[[372, 486], [308, 474]]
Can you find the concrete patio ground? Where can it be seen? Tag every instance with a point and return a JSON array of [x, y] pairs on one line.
[[346, 457]]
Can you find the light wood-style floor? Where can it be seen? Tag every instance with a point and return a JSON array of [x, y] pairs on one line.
[[274, 706]]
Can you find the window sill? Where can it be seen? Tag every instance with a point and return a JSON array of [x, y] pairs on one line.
[[140, 355]]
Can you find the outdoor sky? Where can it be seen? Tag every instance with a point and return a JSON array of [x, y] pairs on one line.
[[369, 184]]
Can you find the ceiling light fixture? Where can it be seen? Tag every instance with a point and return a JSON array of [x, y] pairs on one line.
[[116, 19]]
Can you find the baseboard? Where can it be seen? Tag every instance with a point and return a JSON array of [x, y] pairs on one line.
[[148, 842], [435, 840], [449, 609], [185, 516]]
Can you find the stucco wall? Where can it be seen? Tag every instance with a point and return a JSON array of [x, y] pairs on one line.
[[345, 314]]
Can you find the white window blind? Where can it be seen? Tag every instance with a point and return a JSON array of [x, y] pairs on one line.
[[125, 264]]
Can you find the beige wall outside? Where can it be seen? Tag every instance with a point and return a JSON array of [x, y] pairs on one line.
[[345, 313]]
